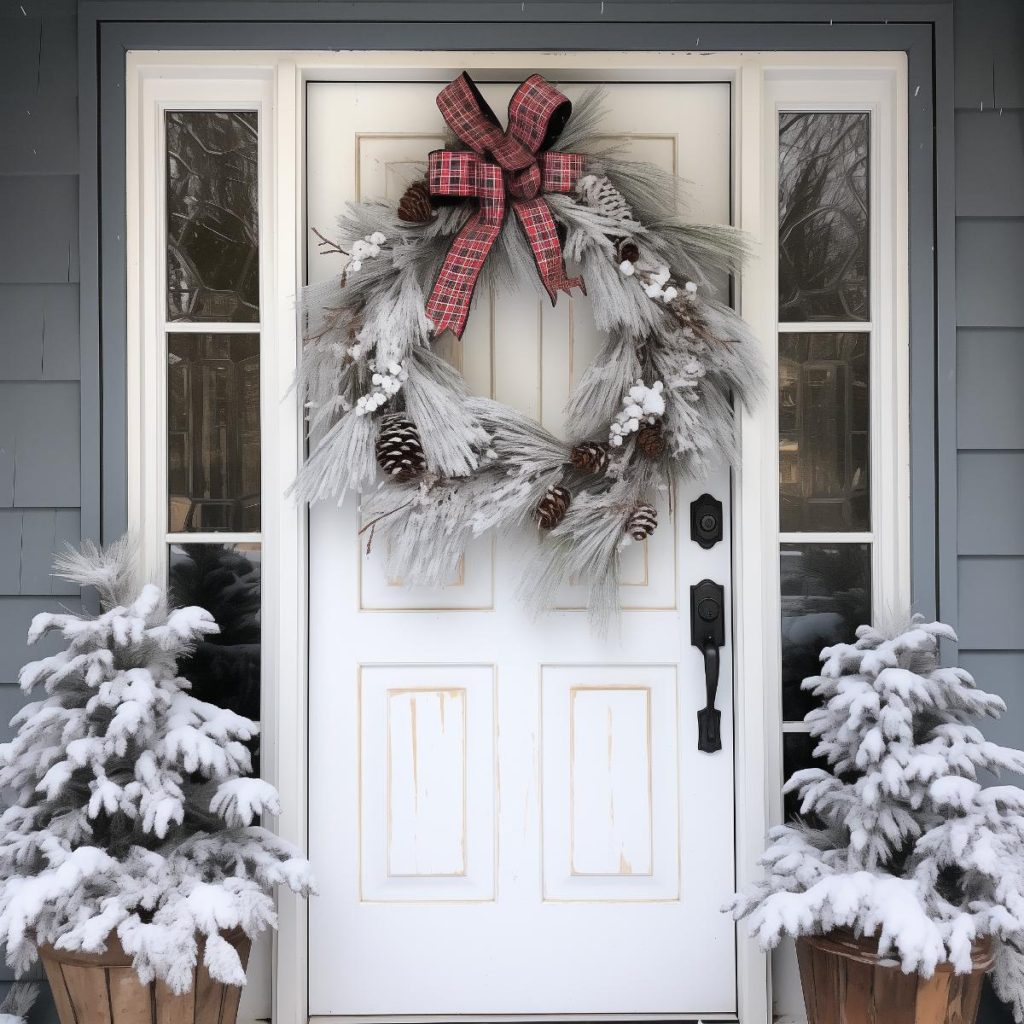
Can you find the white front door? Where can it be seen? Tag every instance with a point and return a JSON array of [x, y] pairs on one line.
[[510, 816]]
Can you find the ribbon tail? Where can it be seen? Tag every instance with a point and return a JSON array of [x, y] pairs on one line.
[[448, 305], [539, 228]]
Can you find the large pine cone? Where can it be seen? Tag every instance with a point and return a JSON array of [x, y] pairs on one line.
[[552, 507], [399, 450], [651, 441], [415, 205], [643, 522], [589, 457]]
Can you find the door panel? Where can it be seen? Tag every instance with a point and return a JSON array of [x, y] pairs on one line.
[[509, 815], [426, 791]]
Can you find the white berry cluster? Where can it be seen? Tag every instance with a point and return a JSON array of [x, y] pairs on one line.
[[385, 385], [365, 249], [658, 286], [639, 404], [658, 283]]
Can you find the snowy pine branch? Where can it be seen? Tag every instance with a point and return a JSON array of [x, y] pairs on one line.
[[130, 806], [899, 838]]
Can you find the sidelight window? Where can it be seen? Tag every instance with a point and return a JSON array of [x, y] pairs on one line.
[[833, 413], [205, 323]]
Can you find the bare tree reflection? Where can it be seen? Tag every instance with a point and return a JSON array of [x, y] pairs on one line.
[[212, 222], [823, 216]]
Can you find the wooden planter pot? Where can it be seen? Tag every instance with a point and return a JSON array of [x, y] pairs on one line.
[[845, 981], [103, 988]]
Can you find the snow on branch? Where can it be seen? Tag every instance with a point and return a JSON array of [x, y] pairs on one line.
[[131, 811], [899, 838]]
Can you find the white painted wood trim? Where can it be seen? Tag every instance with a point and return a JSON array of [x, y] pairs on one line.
[[758, 704], [881, 90], [149, 95], [883, 93], [275, 81], [285, 550]]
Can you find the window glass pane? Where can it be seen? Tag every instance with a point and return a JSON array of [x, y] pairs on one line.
[[826, 595], [213, 442], [824, 415], [797, 754], [823, 216], [224, 668], [212, 216]]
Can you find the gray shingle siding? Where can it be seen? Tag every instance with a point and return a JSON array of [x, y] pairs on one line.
[[989, 91], [40, 421], [39, 362], [40, 470], [989, 139]]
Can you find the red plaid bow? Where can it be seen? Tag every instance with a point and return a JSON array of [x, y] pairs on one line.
[[537, 113]]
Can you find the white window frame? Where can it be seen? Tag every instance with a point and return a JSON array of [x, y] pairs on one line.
[[273, 83]]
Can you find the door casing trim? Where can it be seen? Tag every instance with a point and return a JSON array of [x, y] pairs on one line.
[[289, 728]]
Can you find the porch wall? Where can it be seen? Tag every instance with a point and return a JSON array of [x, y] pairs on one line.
[[989, 97], [40, 464]]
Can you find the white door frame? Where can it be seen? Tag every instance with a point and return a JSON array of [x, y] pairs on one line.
[[273, 82]]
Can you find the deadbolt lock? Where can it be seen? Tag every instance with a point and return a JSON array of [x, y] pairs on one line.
[[706, 520]]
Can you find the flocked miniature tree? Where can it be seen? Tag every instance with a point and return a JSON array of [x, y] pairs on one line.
[[900, 839], [132, 812]]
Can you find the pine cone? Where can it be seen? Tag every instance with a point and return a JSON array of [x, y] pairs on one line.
[[643, 522], [589, 457], [651, 441], [600, 194], [399, 450], [628, 250], [415, 205], [552, 507]]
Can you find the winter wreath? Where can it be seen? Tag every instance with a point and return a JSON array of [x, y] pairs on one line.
[[656, 404]]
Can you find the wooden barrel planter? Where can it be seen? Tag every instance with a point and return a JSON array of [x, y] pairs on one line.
[[845, 981], [102, 988]]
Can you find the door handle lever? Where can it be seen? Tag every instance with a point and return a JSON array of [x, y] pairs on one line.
[[709, 718], [707, 634]]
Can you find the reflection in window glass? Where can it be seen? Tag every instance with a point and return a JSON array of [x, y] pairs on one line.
[[826, 595], [824, 414], [213, 443], [823, 216], [212, 216], [797, 754], [225, 580]]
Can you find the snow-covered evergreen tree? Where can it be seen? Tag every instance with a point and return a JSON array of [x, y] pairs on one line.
[[900, 840], [132, 810]]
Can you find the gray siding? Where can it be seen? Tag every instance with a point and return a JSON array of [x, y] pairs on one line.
[[989, 91], [40, 472], [39, 362], [989, 138]]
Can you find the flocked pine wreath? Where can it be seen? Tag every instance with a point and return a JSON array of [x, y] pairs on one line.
[[436, 466]]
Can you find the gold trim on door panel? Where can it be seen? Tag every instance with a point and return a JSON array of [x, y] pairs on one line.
[[361, 606], [495, 798], [672, 137], [441, 692], [357, 155], [544, 897], [574, 691]]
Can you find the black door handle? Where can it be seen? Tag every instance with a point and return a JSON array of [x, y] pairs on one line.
[[707, 634], [709, 718]]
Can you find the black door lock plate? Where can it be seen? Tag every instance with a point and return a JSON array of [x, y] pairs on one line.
[[706, 520]]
